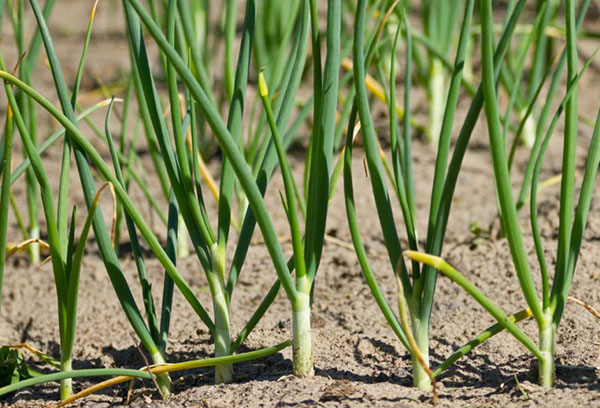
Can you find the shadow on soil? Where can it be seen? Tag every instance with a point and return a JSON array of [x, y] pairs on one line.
[[476, 371]]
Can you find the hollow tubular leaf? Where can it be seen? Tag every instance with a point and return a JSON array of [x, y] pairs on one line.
[[510, 218]]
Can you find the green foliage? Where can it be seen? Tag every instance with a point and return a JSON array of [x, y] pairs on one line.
[[187, 113], [13, 368]]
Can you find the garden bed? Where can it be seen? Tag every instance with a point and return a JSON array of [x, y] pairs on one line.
[[358, 360]]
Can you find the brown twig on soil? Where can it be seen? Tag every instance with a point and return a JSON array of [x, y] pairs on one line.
[[129, 392]]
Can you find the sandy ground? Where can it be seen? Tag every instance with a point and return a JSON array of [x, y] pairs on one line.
[[358, 360]]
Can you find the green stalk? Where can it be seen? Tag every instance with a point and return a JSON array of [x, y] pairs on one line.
[[420, 331], [135, 245], [54, 239], [436, 89], [224, 137], [402, 175], [403, 172], [568, 163], [177, 166], [510, 219], [6, 166], [302, 355], [72, 275], [167, 297], [545, 318], [547, 328], [222, 336], [100, 230], [230, 26], [546, 368], [375, 289], [216, 271], [301, 332], [420, 297], [326, 95], [564, 276]]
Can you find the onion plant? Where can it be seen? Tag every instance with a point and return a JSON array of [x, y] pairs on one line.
[[101, 233], [65, 255], [548, 311], [190, 199], [182, 169], [211, 247], [66, 258], [161, 370], [84, 151], [402, 180], [416, 290]]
